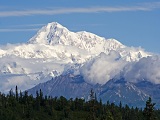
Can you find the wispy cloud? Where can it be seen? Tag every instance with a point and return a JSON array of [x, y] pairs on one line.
[[22, 28], [141, 7], [18, 30], [27, 25]]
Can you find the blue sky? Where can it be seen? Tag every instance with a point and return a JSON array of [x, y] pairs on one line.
[[132, 22]]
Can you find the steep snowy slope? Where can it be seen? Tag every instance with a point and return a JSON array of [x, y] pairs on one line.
[[54, 34], [56, 41]]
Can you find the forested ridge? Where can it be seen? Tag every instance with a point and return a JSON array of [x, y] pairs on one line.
[[21, 106]]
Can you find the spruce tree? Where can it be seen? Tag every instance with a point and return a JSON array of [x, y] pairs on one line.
[[92, 106], [149, 110], [16, 93]]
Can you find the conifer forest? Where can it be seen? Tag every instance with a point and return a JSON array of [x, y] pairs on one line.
[[22, 106]]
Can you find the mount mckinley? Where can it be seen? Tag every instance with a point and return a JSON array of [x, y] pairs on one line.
[[61, 62]]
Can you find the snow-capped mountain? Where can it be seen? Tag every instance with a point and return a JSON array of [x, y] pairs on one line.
[[56, 41], [56, 34], [55, 51]]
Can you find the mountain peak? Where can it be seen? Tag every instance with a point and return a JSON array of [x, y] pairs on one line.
[[55, 34], [54, 25], [49, 34]]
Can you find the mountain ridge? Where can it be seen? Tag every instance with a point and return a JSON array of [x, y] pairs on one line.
[[54, 33], [115, 91], [81, 40]]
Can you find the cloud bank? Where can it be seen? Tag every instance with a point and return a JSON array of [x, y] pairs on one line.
[[105, 67], [145, 69], [141, 7]]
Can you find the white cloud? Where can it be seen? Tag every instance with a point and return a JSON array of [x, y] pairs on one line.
[[141, 7], [103, 68], [145, 69]]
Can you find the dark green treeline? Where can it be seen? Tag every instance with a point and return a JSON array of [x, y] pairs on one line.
[[18, 106]]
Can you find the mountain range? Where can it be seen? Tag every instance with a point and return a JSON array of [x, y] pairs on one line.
[[61, 62]]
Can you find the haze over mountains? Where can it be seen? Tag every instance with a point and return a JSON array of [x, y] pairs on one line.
[[99, 62]]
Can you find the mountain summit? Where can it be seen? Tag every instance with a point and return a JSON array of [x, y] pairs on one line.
[[50, 34], [56, 34]]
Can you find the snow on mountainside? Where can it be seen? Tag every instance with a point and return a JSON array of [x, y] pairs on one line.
[[54, 34], [67, 43], [55, 50]]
